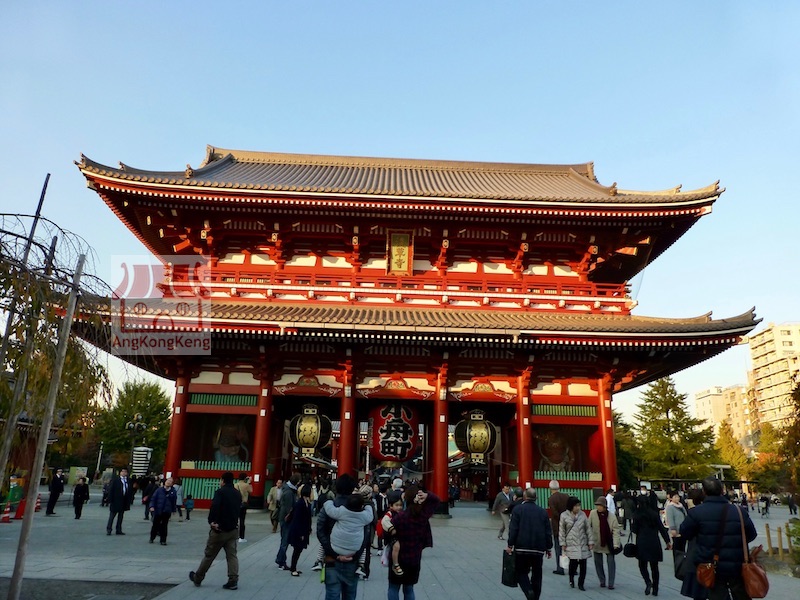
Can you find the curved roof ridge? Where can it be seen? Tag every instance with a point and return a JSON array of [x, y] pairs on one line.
[[592, 183], [712, 189], [214, 154]]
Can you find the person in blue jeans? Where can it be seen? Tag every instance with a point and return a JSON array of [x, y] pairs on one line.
[[341, 580]]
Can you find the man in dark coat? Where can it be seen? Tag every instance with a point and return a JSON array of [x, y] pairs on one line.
[[224, 521], [557, 504], [703, 524], [531, 535], [285, 504], [56, 489], [120, 496]]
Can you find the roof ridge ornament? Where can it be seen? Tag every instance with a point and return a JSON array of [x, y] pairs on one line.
[[189, 171]]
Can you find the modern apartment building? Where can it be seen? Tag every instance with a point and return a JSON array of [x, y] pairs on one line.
[[717, 404], [775, 357]]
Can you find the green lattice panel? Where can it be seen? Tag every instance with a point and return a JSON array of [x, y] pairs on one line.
[[225, 399], [200, 488], [560, 410]]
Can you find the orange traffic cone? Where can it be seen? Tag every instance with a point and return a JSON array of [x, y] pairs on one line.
[[6, 514], [38, 506], [20, 509]]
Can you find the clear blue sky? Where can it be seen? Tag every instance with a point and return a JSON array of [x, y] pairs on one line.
[[655, 95]]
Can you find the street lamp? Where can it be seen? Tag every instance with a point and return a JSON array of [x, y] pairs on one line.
[[135, 426]]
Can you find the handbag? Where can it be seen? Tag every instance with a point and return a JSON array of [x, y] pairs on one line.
[[509, 574], [680, 564], [631, 550], [707, 572], [563, 561], [386, 555], [754, 576]]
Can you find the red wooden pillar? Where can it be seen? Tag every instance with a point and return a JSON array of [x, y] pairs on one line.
[[524, 438], [348, 430], [607, 433], [177, 429], [263, 424], [439, 436]]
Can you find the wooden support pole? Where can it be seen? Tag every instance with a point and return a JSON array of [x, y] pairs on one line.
[[769, 540], [780, 543], [15, 586], [789, 540]]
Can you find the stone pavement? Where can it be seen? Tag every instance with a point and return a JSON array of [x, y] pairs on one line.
[[464, 562]]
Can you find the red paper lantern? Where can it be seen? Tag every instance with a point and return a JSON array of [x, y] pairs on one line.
[[394, 430]]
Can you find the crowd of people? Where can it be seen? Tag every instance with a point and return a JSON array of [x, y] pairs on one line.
[[355, 518], [696, 527]]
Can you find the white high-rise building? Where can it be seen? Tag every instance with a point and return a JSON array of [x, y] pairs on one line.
[[775, 357], [717, 404]]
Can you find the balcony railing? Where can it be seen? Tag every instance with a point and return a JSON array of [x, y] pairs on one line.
[[355, 286]]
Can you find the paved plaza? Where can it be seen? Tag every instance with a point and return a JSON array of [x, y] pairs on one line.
[[463, 564]]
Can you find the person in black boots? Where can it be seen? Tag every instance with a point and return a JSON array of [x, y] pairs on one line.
[[80, 496], [647, 526]]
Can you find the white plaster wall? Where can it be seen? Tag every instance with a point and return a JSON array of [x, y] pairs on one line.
[[261, 259], [238, 378], [233, 259], [335, 262], [547, 389], [210, 377], [302, 260]]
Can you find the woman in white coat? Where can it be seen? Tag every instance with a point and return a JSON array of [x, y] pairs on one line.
[[605, 536], [574, 535]]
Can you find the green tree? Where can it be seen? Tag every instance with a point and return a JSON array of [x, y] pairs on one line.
[[731, 452], [673, 444], [791, 440], [769, 466], [135, 397], [627, 451]]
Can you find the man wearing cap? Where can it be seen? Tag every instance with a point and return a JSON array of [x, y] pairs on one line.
[[56, 489], [531, 535], [605, 537], [557, 504]]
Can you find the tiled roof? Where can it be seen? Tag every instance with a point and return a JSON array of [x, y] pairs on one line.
[[260, 172], [249, 315]]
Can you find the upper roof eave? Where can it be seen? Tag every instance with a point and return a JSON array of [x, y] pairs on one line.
[[302, 174], [399, 320]]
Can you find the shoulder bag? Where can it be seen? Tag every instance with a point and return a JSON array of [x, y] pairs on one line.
[[707, 572], [630, 549], [754, 576]]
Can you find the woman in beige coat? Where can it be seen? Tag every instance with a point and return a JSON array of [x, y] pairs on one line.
[[575, 538], [605, 535]]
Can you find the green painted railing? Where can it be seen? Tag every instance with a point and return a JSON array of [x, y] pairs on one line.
[[225, 399], [568, 475], [559, 410], [200, 488], [211, 465], [585, 496]]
